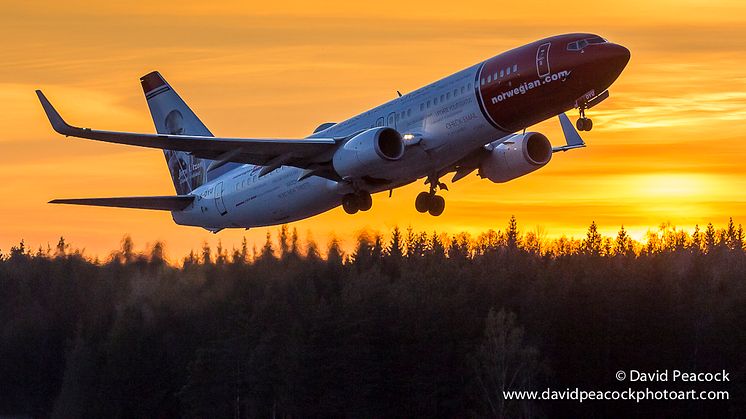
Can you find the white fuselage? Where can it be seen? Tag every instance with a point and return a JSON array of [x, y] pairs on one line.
[[445, 114]]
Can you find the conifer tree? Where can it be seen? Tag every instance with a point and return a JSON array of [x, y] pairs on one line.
[[512, 234], [710, 238], [623, 244], [593, 242], [61, 249], [394, 249]]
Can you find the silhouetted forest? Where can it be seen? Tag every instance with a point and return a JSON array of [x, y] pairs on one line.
[[409, 324]]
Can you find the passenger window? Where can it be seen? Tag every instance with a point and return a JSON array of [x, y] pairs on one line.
[[502, 73], [462, 89], [515, 67], [409, 112], [435, 101], [455, 92], [489, 78], [469, 86], [482, 82], [441, 98], [507, 71], [428, 104], [422, 106]]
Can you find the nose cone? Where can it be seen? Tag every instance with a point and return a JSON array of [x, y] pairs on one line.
[[617, 55], [606, 63]]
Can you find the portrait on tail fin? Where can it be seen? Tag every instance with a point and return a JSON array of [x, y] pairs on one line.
[[187, 171]]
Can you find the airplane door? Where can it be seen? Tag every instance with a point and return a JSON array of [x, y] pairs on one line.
[[219, 204], [542, 60]]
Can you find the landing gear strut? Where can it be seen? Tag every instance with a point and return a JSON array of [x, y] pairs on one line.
[[359, 201], [583, 123], [429, 201]]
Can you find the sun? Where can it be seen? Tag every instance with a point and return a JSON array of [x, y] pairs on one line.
[[674, 185]]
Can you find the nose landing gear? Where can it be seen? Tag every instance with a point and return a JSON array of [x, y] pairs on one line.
[[359, 201], [429, 201], [583, 123]]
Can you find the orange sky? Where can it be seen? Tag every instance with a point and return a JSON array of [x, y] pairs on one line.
[[667, 145]]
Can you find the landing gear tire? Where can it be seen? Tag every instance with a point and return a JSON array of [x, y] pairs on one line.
[[428, 202], [365, 201], [422, 203], [584, 124], [437, 205], [354, 202], [351, 203]]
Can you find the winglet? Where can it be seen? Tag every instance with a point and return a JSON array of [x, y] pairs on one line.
[[54, 117], [572, 137]]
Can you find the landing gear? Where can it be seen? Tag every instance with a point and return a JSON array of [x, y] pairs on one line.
[[422, 203], [354, 202], [437, 205], [366, 201], [583, 123], [429, 201]]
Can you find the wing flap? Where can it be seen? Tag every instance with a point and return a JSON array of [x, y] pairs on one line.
[[163, 203], [299, 152]]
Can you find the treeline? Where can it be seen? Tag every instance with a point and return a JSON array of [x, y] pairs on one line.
[[413, 324]]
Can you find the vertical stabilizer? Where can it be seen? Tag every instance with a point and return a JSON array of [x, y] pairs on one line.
[[172, 116]]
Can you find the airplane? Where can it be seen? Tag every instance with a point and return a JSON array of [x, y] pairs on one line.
[[473, 120]]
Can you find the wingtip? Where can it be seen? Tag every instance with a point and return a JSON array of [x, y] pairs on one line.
[[58, 124]]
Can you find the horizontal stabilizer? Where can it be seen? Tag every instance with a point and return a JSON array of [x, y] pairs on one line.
[[163, 203]]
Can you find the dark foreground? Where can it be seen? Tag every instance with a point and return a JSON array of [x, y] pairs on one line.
[[416, 326]]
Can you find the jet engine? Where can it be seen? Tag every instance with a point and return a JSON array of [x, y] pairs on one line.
[[519, 155], [369, 153]]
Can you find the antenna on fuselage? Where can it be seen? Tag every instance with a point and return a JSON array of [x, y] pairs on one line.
[[398, 93]]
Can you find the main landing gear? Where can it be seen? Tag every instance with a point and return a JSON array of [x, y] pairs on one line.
[[429, 201], [583, 123], [359, 201]]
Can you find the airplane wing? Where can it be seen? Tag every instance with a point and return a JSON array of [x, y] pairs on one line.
[[164, 203], [303, 153]]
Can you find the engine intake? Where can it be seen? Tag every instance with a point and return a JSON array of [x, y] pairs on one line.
[[369, 153], [515, 157]]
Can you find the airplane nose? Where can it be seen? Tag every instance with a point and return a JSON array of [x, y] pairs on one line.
[[617, 55]]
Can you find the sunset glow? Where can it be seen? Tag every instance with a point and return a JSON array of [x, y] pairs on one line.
[[666, 146]]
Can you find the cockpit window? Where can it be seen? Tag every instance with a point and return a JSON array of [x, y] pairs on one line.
[[579, 45]]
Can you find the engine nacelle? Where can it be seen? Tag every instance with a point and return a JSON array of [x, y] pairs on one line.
[[518, 156], [369, 153]]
